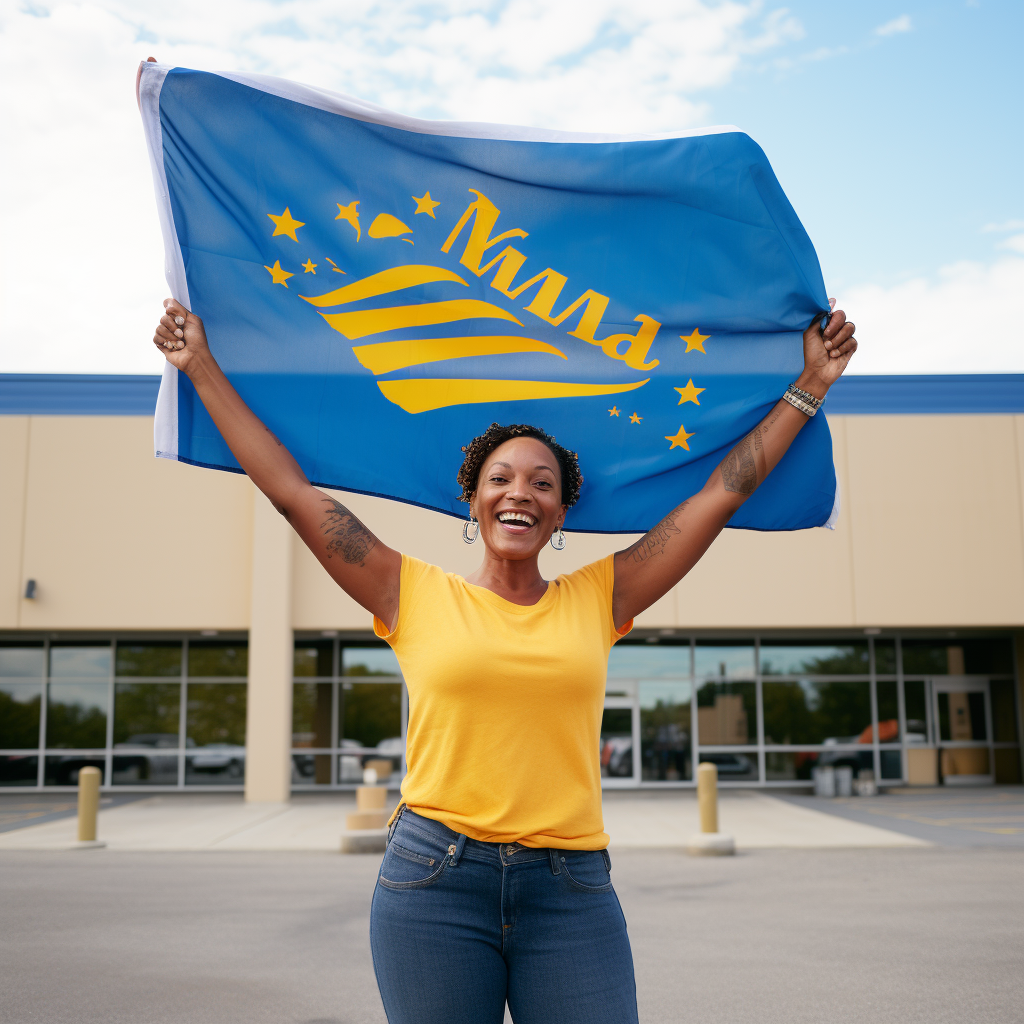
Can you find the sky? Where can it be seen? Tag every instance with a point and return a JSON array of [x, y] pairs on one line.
[[894, 127]]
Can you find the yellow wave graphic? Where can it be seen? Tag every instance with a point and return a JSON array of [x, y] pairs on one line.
[[391, 280], [392, 318], [386, 356], [424, 395]]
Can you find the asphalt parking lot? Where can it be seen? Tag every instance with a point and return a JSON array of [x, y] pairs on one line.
[[928, 934]]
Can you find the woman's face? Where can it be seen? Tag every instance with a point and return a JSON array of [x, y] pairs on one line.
[[518, 498]]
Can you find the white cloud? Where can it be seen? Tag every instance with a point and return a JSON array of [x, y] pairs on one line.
[[81, 274], [891, 28], [962, 320], [1015, 243], [1006, 225]]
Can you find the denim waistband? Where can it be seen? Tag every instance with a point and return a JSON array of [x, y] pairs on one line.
[[506, 852]]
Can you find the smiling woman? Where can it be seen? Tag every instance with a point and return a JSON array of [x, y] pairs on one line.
[[500, 824]]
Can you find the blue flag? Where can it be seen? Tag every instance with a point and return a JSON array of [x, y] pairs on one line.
[[380, 289]]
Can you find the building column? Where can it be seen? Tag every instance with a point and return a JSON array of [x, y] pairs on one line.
[[268, 725]]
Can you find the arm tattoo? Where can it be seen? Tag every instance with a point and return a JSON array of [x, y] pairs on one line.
[[739, 467], [653, 542], [346, 535]]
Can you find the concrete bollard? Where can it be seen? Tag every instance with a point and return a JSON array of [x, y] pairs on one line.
[[707, 796], [88, 807], [709, 842], [366, 827]]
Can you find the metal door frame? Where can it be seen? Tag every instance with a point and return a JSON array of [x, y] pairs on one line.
[[963, 684]]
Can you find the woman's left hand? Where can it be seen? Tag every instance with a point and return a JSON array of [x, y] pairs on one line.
[[827, 355]]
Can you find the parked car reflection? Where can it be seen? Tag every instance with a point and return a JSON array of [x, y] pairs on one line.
[[143, 768], [226, 759]]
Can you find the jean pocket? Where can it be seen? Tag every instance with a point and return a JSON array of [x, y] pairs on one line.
[[411, 863], [586, 870]]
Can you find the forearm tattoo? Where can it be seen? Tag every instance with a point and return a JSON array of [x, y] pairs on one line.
[[739, 467], [346, 535], [653, 542]]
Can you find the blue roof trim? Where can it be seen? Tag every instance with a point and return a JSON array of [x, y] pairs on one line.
[[78, 394], [927, 393], [73, 394]]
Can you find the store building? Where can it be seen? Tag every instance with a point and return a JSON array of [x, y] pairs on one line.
[[163, 623]]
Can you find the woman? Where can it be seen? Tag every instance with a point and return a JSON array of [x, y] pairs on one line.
[[495, 885]]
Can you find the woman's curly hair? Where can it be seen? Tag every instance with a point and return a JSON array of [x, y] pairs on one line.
[[480, 447]]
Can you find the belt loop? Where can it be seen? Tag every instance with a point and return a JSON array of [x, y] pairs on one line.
[[607, 860], [460, 845], [553, 854]]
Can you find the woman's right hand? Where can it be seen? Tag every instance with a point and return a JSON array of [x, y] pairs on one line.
[[180, 336]]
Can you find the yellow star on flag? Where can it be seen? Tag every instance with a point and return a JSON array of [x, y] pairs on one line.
[[285, 224], [424, 204], [634, 418], [689, 393], [280, 276], [613, 411], [680, 439], [309, 267], [695, 341]]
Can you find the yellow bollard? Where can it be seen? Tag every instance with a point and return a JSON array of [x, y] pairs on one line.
[[88, 803], [707, 796]]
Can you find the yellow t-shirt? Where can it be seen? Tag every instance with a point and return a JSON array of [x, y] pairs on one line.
[[505, 704]]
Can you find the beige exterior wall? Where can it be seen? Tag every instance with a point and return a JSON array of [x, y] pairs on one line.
[[931, 534]]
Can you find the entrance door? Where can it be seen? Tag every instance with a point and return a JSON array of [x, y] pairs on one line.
[[964, 719]]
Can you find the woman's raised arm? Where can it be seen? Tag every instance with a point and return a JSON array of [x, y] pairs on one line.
[[360, 564], [664, 555]]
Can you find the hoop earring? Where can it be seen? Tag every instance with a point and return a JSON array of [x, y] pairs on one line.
[[470, 538], [558, 540]]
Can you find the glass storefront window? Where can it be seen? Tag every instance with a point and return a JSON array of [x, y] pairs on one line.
[[314, 658], [63, 770], [219, 764], [146, 714], [21, 661], [214, 658], [807, 712], [789, 767], [665, 731], [76, 661], [738, 767], [891, 764], [648, 661], [724, 661], [888, 711], [885, 657], [726, 713], [311, 714], [369, 661], [76, 714], [370, 714], [151, 660], [962, 717], [19, 713], [915, 705], [19, 770], [784, 658], [617, 743], [215, 714], [312, 769]]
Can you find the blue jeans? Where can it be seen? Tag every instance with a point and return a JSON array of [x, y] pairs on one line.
[[459, 927]]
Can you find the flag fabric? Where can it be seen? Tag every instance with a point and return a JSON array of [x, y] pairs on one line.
[[380, 289]]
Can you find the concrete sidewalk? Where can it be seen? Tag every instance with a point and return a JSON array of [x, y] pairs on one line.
[[314, 823]]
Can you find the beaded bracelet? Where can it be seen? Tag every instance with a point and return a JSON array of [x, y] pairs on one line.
[[802, 400]]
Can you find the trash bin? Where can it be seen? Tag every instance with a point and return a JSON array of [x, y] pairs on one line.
[[824, 781], [844, 780]]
